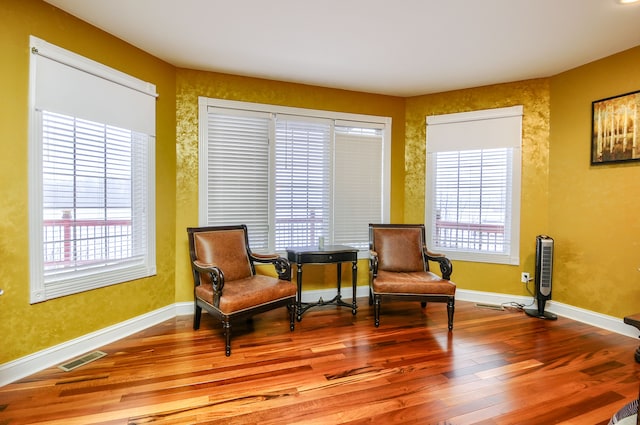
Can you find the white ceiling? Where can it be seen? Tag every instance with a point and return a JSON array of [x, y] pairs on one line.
[[395, 47]]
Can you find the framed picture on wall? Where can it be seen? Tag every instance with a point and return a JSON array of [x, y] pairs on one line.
[[615, 132]]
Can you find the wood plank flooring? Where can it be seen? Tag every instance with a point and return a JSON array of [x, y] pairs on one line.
[[497, 367]]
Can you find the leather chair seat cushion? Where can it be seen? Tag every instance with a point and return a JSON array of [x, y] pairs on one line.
[[250, 292], [426, 283]]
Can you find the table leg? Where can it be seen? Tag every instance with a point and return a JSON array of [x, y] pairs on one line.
[[354, 284], [339, 297], [337, 300], [299, 295]]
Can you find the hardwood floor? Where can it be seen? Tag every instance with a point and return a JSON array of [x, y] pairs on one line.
[[496, 367]]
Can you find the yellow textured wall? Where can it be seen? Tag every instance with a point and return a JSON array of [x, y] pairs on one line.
[[593, 210], [534, 96], [590, 211], [191, 84], [27, 328]]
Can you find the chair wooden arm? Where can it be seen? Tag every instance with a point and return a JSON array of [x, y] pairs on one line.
[[282, 265], [217, 277], [446, 268], [373, 262], [264, 257]]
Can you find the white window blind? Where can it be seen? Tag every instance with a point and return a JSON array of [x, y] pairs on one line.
[[473, 184], [92, 217], [236, 180], [72, 85], [304, 174], [358, 182]]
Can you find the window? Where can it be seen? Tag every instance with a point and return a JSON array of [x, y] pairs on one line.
[[473, 184], [91, 174], [303, 181], [293, 175]]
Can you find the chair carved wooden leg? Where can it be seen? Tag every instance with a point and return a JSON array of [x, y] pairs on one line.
[[196, 317], [226, 325], [450, 310]]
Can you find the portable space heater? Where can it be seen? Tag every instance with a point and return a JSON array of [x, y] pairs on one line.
[[544, 270]]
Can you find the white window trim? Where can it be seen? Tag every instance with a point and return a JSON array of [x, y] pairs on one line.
[[340, 118], [39, 290], [513, 257]]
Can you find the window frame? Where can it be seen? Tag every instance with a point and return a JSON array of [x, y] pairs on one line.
[[44, 58], [487, 139], [338, 119]]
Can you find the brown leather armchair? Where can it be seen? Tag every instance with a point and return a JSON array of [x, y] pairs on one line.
[[399, 268], [226, 283]]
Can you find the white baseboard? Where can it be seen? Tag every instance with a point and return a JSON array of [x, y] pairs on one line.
[[28, 365], [610, 323]]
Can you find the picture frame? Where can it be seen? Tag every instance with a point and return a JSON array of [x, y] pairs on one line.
[[615, 129]]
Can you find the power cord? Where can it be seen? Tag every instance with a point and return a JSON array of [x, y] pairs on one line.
[[518, 306]]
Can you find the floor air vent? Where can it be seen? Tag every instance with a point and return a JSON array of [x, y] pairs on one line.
[[489, 306], [87, 358]]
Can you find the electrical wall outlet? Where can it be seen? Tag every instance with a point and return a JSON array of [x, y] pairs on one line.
[[524, 277]]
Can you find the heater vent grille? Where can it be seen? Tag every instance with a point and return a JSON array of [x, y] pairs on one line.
[[81, 361], [489, 306]]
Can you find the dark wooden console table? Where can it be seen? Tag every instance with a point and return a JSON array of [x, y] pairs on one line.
[[326, 255], [634, 320]]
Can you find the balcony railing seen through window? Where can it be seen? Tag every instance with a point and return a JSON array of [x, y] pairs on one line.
[[80, 243], [469, 236]]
